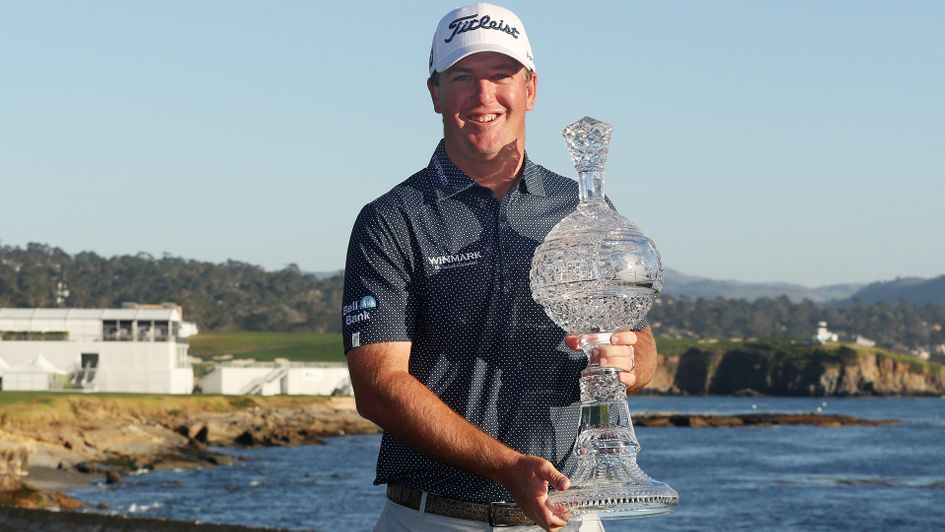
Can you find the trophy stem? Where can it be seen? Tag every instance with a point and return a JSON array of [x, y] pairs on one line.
[[608, 482], [591, 186]]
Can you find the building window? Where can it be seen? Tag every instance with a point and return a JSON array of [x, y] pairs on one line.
[[117, 330], [144, 331], [160, 331]]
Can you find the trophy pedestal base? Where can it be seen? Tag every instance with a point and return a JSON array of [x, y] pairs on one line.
[[618, 500]]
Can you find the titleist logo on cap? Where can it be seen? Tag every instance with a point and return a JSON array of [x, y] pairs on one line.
[[470, 23]]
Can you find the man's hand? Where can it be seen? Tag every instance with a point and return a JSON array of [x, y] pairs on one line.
[[528, 480], [634, 352], [387, 394]]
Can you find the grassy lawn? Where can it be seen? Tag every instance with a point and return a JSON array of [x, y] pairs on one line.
[[25, 409], [263, 346], [678, 346]]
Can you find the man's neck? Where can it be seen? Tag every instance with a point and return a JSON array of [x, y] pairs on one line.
[[498, 174]]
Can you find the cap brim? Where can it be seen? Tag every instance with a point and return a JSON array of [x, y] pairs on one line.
[[461, 53]]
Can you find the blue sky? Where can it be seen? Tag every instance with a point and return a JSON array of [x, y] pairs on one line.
[[798, 141]]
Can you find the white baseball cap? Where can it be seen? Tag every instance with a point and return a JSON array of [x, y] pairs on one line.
[[479, 28]]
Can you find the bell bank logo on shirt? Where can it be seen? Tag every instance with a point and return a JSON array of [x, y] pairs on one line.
[[362, 304], [458, 260]]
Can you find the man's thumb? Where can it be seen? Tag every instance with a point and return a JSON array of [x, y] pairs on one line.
[[557, 479]]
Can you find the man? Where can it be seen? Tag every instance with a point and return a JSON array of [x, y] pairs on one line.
[[447, 350]]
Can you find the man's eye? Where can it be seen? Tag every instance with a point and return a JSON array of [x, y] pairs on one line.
[[461, 78]]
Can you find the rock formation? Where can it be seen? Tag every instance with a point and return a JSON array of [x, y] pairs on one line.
[[763, 369]]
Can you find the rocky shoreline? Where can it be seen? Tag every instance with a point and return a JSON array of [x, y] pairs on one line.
[[54, 442], [65, 437]]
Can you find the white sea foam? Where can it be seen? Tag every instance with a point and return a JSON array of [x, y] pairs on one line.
[[139, 508]]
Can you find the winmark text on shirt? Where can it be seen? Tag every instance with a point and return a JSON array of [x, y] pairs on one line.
[[454, 261], [470, 23]]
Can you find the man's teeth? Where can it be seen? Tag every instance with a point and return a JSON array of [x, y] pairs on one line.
[[485, 118]]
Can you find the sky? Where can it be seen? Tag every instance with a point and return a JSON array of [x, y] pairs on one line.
[[753, 140]]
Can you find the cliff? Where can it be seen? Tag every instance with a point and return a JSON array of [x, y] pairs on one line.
[[800, 370]]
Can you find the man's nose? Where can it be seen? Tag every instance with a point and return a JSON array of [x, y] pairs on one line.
[[486, 91]]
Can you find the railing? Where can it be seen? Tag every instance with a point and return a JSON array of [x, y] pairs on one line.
[[255, 386], [82, 378], [128, 337], [35, 336]]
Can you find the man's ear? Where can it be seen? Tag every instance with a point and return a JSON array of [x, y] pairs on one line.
[[434, 94], [532, 91]]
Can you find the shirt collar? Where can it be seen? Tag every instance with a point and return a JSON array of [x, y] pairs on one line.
[[449, 180]]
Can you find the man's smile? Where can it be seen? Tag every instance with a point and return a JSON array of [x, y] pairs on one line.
[[483, 118]]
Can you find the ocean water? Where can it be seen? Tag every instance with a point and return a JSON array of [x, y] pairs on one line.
[[782, 478]]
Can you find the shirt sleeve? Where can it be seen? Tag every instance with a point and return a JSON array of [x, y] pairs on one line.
[[379, 303]]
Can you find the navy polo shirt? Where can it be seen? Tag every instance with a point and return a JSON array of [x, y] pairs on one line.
[[440, 262]]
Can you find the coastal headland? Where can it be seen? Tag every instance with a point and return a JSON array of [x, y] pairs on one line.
[[784, 368]]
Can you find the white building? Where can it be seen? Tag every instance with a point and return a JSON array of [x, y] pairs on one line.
[[291, 378], [864, 341], [823, 335], [139, 349]]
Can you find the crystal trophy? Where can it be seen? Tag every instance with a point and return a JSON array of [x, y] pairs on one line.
[[594, 273]]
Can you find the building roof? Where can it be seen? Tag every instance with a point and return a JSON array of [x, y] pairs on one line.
[[169, 314]]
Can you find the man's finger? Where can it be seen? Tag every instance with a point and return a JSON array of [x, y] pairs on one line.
[[573, 342], [624, 338], [628, 378]]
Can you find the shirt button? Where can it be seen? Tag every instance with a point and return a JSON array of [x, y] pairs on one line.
[[507, 247]]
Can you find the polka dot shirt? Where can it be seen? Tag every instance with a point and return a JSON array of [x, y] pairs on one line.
[[440, 262]]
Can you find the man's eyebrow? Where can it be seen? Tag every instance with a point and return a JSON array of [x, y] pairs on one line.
[[508, 67]]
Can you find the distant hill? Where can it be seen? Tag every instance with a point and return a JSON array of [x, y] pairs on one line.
[[230, 296], [325, 275], [681, 285], [236, 296], [912, 289]]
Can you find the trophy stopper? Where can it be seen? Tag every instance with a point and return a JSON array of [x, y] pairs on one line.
[[587, 141]]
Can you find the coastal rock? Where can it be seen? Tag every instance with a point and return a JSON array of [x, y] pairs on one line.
[[794, 370], [194, 431], [133, 439], [105, 435], [47, 454], [223, 429], [755, 420], [20, 494], [14, 454]]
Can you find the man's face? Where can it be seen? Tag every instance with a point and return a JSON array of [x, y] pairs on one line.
[[483, 99]]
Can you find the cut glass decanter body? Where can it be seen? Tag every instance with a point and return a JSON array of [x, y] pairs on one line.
[[594, 273]]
